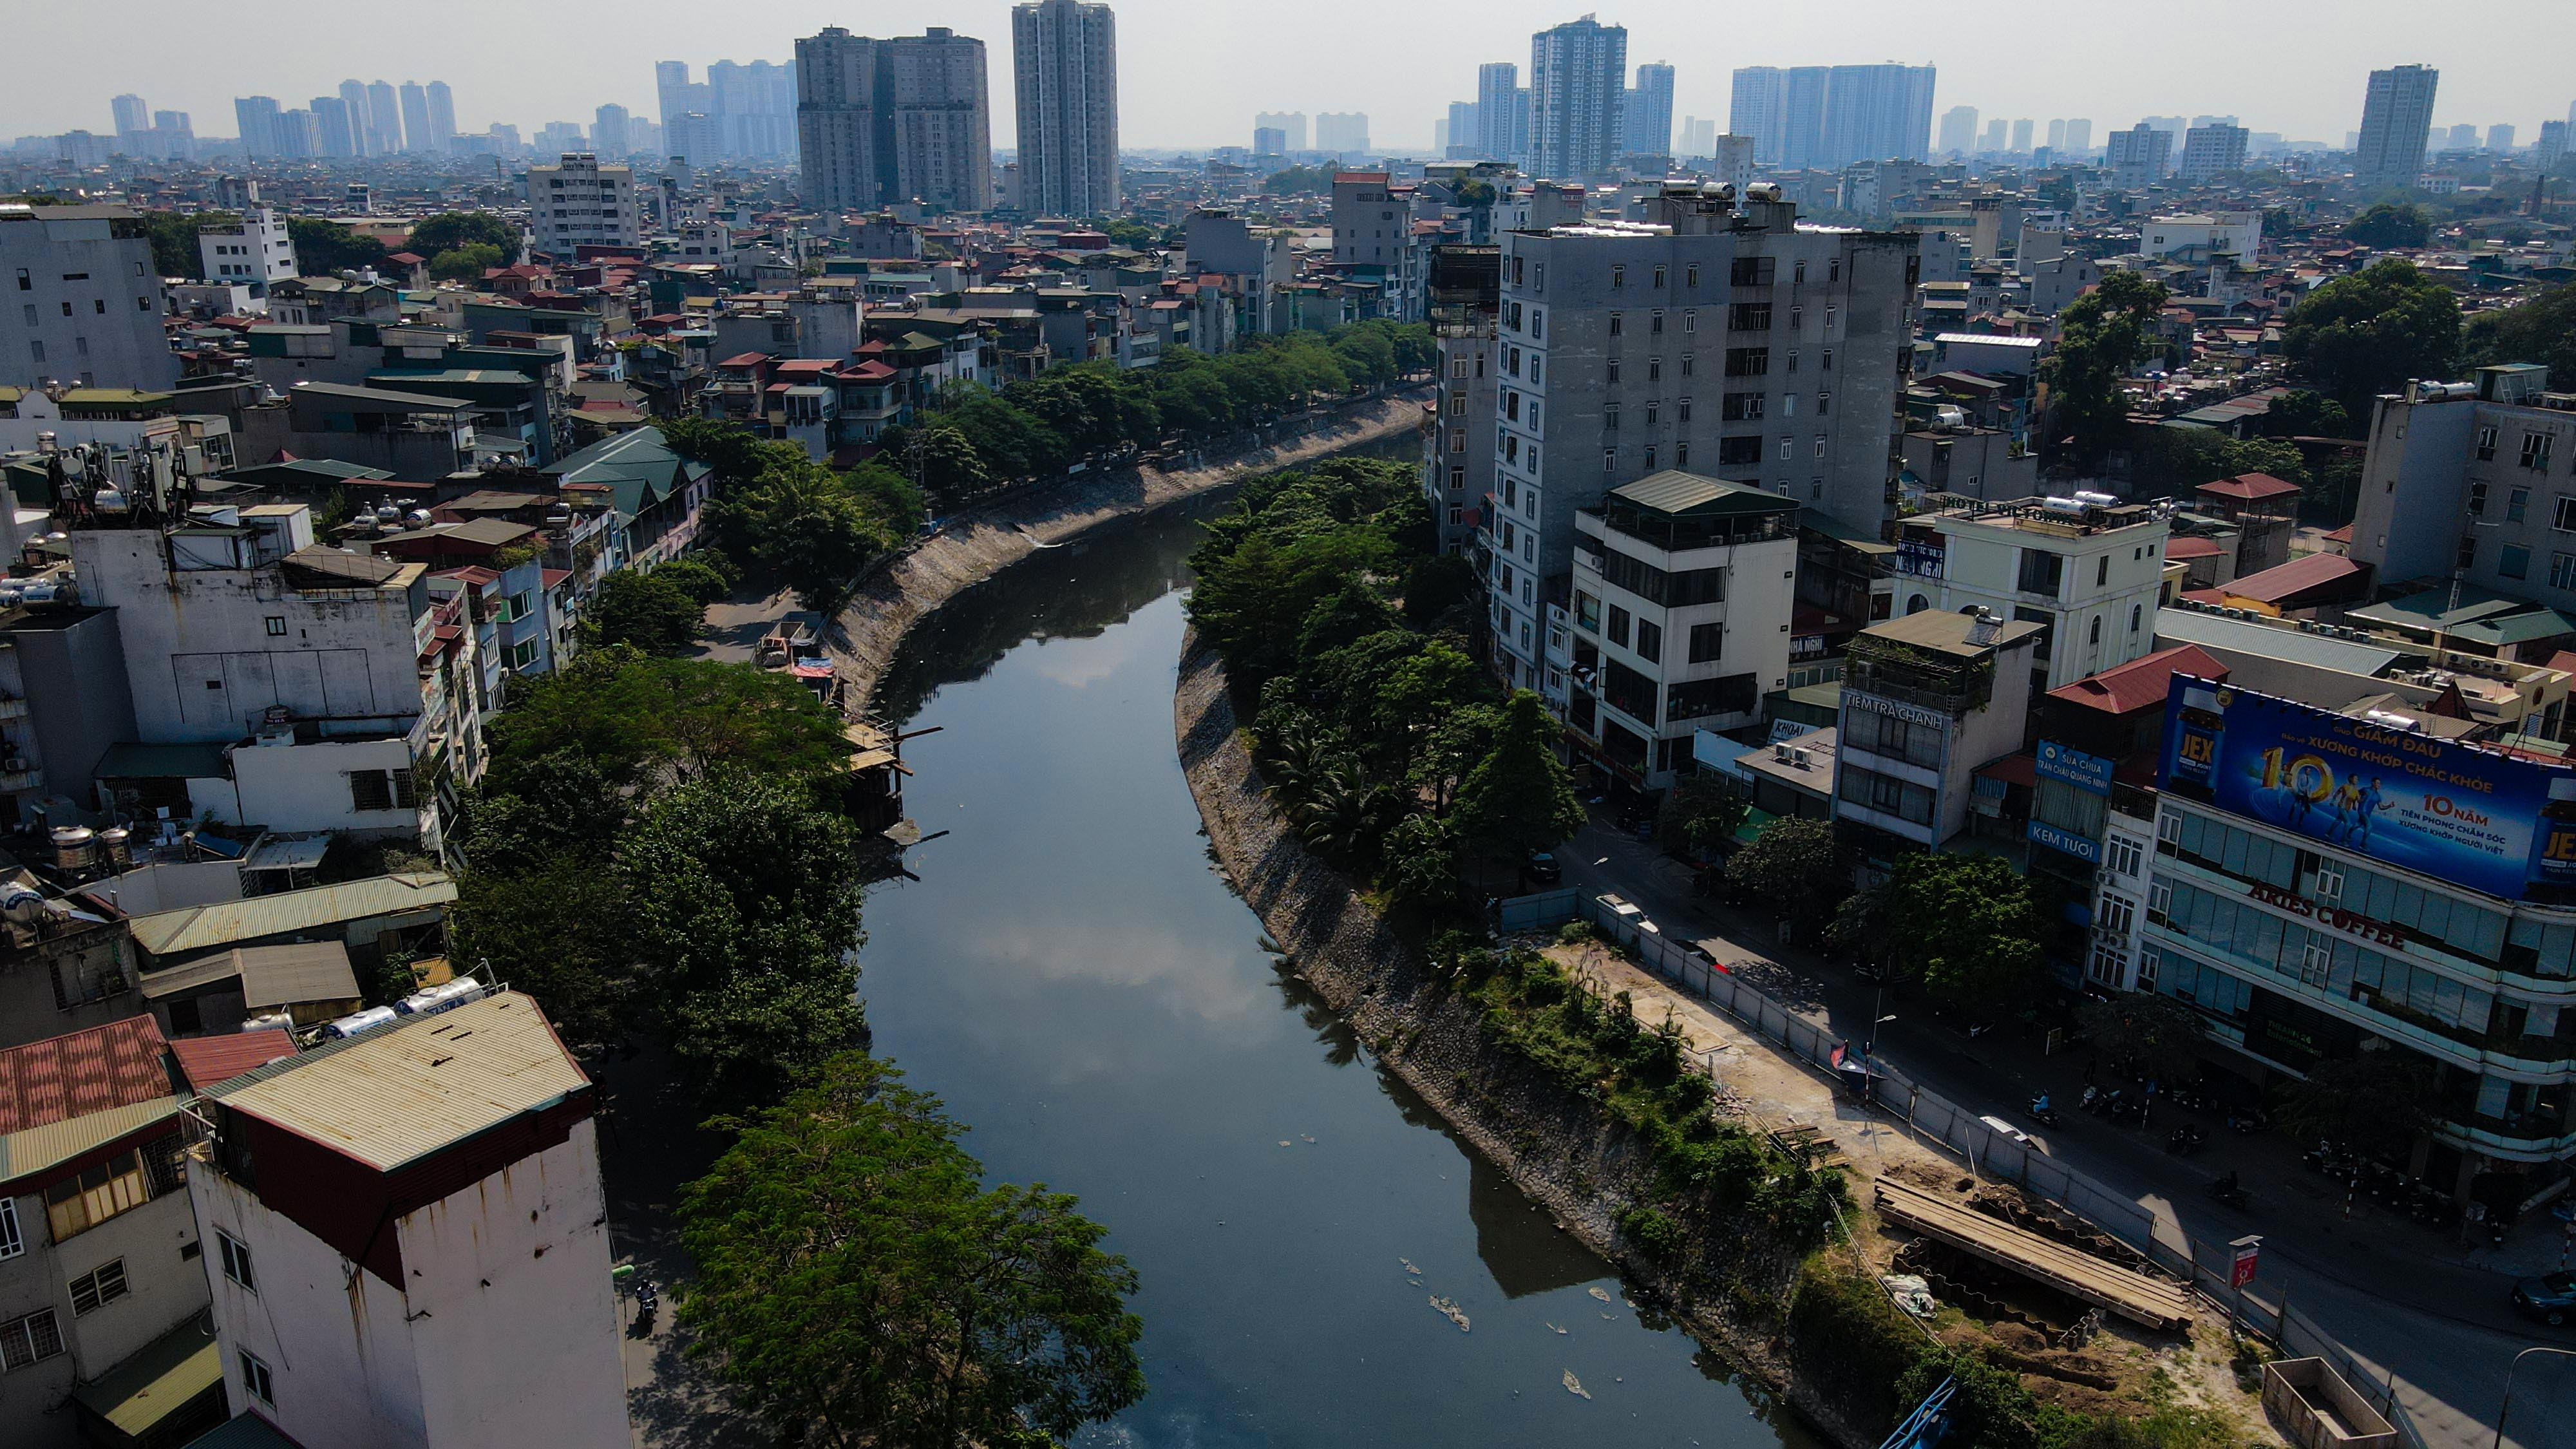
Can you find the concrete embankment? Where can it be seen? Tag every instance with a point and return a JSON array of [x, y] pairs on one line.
[[1556, 1148], [979, 544]]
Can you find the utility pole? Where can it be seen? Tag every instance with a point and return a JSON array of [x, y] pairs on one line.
[[2507, 1406]]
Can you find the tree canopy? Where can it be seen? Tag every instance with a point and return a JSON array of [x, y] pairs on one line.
[[788, 519], [2391, 224], [2542, 330], [2368, 333], [451, 230], [2101, 336], [175, 252], [1964, 926], [467, 263], [2381, 1097], [1299, 181], [642, 722], [858, 1285], [646, 610], [2160, 1033], [1795, 868], [323, 247]]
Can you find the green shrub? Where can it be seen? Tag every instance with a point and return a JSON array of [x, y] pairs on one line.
[[1854, 1343], [1655, 1235]]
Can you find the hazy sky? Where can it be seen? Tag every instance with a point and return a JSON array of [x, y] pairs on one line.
[[1192, 72]]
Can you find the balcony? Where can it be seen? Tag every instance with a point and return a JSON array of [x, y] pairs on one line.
[[12, 708]]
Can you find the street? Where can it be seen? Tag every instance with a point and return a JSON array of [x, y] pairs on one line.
[[2396, 1294]]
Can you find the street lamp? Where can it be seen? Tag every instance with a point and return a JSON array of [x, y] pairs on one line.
[[1877, 999], [2507, 1406]]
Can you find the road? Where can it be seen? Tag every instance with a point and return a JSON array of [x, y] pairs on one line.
[[2396, 1294]]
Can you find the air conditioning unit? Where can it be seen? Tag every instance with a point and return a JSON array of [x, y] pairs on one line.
[[1780, 755]]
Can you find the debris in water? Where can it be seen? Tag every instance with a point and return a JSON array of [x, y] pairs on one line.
[[1283, 1142], [1606, 1317], [1302, 1137], [1597, 1291], [1560, 1330], [1408, 1267], [1450, 1311], [1574, 1385]]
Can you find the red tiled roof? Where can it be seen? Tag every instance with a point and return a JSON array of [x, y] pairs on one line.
[[2193, 548], [2140, 683], [2014, 769], [747, 359], [2340, 535], [206, 1060], [470, 574], [73, 1075], [2316, 570], [868, 371], [554, 578], [2249, 487]]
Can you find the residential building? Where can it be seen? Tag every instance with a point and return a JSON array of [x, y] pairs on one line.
[[384, 120], [2139, 157], [2209, 152], [1699, 138], [1578, 93], [578, 202], [251, 252], [1502, 114], [2203, 238], [2079, 136], [408, 1238], [1269, 141], [1959, 131], [2396, 125], [1458, 448], [2370, 879], [83, 302], [1829, 117], [1649, 112], [888, 122], [656, 493], [255, 118], [1683, 587], [133, 115], [1927, 700], [1342, 133], [1291, 126], [414, 103], [100, 1290], [2500, 139], [1715, 339], [1064, 54], [2086, 572], [442, 118], [1457, 134], [2472, 481]]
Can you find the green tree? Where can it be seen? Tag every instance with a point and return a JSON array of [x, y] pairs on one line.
[[2101, 336], [466, 263], [696, 577], [1519, 797], [323, 247], [2306, 413], [175, 252], [2541, 330], [2374, 1100], [646, 610], [1699, 816], [2159, 1032], [450, 230], [1795, 867], [2365, 334], [642, 722], [745, 916], [554, 929], [810, 528], [948, 464], [857, 1285], [1299, 181], [2391, 224], [1421, 860], [1964, 926]]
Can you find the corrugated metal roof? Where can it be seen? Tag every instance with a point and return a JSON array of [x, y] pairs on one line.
[[206, 1060], [270, 975], [24, 1154], [81, 1072], [404, 1091], [2212, 631], [224, 923]]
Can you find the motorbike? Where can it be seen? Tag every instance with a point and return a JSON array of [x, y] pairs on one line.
[[2091, 1101], [2041, 1112], [2226, 1192], [648, 1304], [2186, 1140]]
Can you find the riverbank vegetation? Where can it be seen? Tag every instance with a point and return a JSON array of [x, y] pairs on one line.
[[1392, 752], [781, 518]]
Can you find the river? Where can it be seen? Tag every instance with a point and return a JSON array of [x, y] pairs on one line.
[[1072, 975]]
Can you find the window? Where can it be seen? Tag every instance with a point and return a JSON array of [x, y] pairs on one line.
[[1690, 319], [1681, 455], [1610, 417], [236, 1260], [2102, 571], [1613, 365], [1655, 323], [1685, 406], [2169, 830], [1749, 361], [1618, 324], [1659, 279], [1609, 460], [1618, 278], [2159, 900], [1749, 317], [1820, 445], [31, 1339], [2515, 503], [1751, 271], [1742, 407], [2096, 640], [1798, 275], [1707, 643], [2562, 570], [1788, 449], [1650, 457], [98, 1288], [2477, 500], [76, 1205], [24, 284], [381, 790], [1797, 318], [1793, 359], [2514, 561], [1824, 403], [1654, 369], [12, 1242], [2137, 612], [2535, 452], [1587, 612], [256, 1380], [2486, 445], [1618, 626], [2121, 856], [1690, 276], [1739, 452], [2115, 915], [276, 626], [2042, 572], [1650, 641]]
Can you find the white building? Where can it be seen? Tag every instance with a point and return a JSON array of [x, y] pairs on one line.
[[1064, 55], [2237, 234], [2087, 573], [582, 203], [84, 303], [407, 1240], [2213, 151], [251, 252], [1683, 590], [1927, 700]]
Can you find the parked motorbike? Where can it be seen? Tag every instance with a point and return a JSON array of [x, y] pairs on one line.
[[2186, 1140], [2091, 1101], [648, 1304]]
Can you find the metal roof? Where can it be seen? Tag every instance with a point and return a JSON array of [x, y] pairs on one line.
[[127, 760], [401, 1092], [81, 1072], [2213, 631], [270, 975], [1673, 491], [206, 1060], [225, 923]]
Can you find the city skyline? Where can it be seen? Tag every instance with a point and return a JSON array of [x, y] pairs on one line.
[[2314, 92]]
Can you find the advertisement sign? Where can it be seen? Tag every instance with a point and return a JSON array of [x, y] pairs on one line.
[[2070, 766], [2249, 1252], [2066, 840], [2473, 817]]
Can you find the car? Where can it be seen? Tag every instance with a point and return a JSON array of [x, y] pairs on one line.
[[2551, 1297], [1541, 869]]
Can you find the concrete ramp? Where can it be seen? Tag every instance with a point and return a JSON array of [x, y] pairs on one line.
[[2141, 1299]]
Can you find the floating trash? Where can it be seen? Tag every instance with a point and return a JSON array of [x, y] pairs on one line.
[[1408, 1267], [1597, 1291], [1574, 1385], [1559, 1330], [1450, 1311], [1302, 1137], [1283, 1142]]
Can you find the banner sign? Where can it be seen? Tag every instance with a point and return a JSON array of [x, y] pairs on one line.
[[2071, 766], [2473, 817]]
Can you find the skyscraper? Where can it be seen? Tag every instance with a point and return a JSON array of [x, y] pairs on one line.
[[2500, 139], [442, 118], [608, 131], [2462, 137], [257, 118], [1064, 56], [1291, 126], [132, 115], [749, 107], [2056, 136], [903, 119], [2213, 151], [1458, 137], [333, 135], [1650, 112], [1998, 134], [1959, 131], [2396, 120], [384, 119], [1502, 112], [415, 115], [1876, 113], [353, 94], [2139, 156], [2079, 134], [1343, 134], [2021, 135], [1578, 99]]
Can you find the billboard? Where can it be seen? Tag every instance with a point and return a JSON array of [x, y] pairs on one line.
[[2473, 817]]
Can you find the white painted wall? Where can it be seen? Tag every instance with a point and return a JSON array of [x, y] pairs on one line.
[[296, 789]]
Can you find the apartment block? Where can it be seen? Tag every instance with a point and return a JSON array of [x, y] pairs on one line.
[[2396, 126], [80, 300], [1065, 56], [2474, 478], [2087, 572], [1927, 700], [251, 252], [1719, 339], [579, 202], [885, 122], [1578, 95], [1459, 457]]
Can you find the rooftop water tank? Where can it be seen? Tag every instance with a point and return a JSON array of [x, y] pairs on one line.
[[357, 1022], [74, 847], [429, 1001], [20, 904]]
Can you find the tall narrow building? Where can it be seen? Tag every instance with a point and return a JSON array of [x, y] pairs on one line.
[[384, 118], [2396, 121], [362, 136], [442, 117], [1502, 113], [415, 115], [1064, 55], [1578, 99], [904, 119], [1650, 112]]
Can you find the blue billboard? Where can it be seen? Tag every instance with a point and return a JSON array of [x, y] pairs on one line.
[[2070, 766], [2474, 817]]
